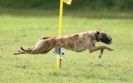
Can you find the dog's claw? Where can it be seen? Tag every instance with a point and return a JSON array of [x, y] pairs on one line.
[[100, 56], [15, 53], [90, 51], [110, 49], [19, 51]]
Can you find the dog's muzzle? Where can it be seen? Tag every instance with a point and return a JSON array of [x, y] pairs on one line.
[[106, 40], [109, 40]]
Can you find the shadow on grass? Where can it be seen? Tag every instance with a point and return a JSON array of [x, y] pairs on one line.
[[73, 13]]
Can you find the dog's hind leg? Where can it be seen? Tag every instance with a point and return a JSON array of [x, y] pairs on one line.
[[42, 47], [28, 51], [20, 52]]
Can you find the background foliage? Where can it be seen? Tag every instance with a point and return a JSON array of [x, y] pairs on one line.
[[116, 5]]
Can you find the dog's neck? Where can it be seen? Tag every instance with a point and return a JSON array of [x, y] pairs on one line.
[[97, 37]]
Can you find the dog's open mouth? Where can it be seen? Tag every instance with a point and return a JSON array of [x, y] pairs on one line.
[[109, 42]]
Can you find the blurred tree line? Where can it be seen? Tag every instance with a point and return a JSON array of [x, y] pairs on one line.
[[115, 5]]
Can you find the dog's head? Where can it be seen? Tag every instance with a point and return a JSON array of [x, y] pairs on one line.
[[103, 37]]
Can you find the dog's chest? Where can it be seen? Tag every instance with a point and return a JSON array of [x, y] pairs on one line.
[[79, 48], [78, 44]]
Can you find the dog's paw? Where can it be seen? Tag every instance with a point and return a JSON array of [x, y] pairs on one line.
[[100, 56], [90, 51], [15, 53], [110, 49]]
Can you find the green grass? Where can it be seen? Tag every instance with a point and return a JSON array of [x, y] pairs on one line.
[[25, 30]]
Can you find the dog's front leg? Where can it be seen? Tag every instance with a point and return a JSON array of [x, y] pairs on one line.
[[93, 49], [101, 53]]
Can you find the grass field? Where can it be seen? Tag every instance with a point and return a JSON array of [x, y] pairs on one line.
[[24, 29]]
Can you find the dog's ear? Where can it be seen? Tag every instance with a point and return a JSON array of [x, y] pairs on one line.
[[97, 32]]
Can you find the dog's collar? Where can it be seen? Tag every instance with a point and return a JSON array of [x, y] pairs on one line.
[[97, 37]]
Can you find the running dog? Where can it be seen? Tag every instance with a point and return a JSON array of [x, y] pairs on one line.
[[77, 42]]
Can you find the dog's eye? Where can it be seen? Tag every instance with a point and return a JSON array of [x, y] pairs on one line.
[[104, 35]]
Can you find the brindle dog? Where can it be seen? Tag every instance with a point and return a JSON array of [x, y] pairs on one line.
[[77, 42]]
